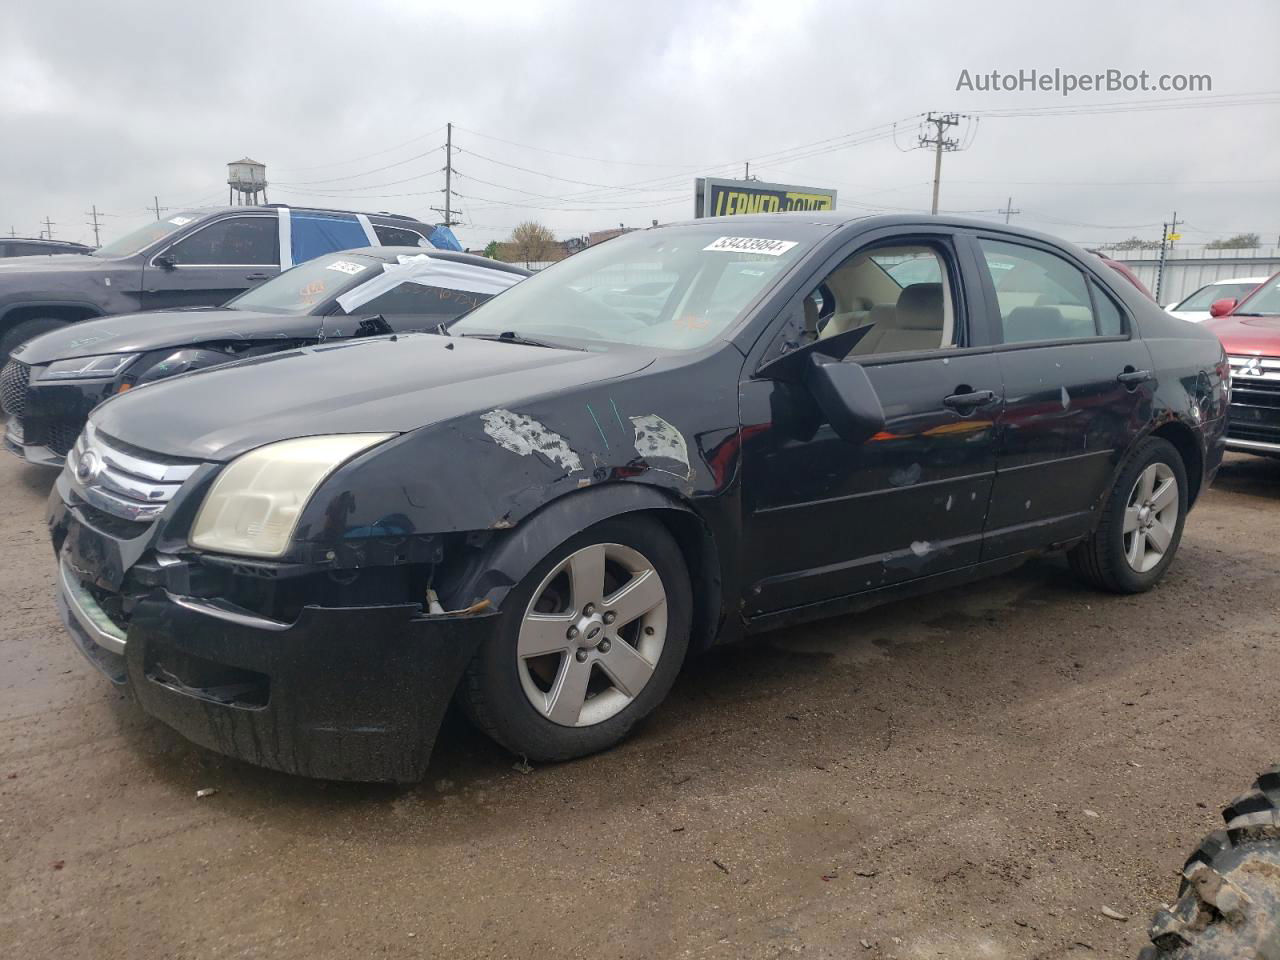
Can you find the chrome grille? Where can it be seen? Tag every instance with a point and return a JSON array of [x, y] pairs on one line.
[[13, 387], [1254, 415], [129, 485]]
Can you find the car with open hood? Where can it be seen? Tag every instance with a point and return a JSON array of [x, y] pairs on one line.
[[191, 258], [1250, 332], [52, 382], [301, 559]]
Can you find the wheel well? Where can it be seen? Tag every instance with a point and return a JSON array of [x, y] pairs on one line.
[[1184, 441], [54, 312], [700, 557]]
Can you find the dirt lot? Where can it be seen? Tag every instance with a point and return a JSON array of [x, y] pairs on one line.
[[971, 776]]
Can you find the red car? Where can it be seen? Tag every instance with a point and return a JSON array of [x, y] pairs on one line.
[[1250, 332]]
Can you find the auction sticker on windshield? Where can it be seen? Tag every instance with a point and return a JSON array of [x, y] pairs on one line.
[[773, 248], [346, 266]]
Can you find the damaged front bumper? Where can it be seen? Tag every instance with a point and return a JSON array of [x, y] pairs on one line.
[[37, 453], [342, 693]]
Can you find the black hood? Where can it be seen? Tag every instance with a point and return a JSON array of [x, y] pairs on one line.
[[163, 329], [376, 385]]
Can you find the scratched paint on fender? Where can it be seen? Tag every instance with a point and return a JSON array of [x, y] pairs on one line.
[[526, 436], [658, 439]]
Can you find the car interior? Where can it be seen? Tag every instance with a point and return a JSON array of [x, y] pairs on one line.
[[901, 293], [1041, 296]]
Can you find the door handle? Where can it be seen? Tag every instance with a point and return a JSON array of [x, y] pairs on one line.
[[1131, 378], [257, 276], [968, 402]]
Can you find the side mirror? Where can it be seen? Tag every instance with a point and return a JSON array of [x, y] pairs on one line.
[[1220, 308], [846, 397], [166, 261]]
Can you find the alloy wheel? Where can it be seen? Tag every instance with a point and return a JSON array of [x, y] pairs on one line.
[[592, 635], [1150, 517]]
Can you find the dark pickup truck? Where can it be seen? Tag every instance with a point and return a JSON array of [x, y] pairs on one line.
[[197, 258]]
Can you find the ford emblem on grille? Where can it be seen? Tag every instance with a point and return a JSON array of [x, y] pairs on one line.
[[88, 467]]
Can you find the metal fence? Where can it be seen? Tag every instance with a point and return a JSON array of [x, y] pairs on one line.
[[1188, 268]]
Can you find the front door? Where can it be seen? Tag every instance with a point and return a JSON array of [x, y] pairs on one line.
[[212, 264], [1078, 389], [825, 518]]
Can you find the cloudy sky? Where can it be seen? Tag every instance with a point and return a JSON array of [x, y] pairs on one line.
[[585, 115]]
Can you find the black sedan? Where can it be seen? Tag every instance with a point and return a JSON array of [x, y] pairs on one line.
[[54, 380], [301, 561]]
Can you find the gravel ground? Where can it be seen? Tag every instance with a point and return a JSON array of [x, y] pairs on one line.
[[975, 775]]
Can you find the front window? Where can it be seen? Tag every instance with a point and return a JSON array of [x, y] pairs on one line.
[[249, 241], [1205, 297], [300, 290], [1264, 303], [676, 288], [143, 237]]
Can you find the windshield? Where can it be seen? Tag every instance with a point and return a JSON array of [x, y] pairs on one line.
[[1264, 303], [675, 288], [300, 290], [1204, 298], [143, 237]]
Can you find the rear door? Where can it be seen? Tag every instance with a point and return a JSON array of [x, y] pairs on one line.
[[825, 518], [213, 263], [1078, 390]]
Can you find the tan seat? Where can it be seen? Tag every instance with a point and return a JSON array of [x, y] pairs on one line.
[[916, 323]]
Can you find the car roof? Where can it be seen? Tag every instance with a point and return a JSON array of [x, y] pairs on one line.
[[836, 218], [389, 254], [381, 215], [61, 243]]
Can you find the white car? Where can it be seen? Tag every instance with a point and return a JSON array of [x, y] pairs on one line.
[[1196, 307]]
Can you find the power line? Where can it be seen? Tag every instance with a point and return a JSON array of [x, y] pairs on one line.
[[367, 156], [1137, 106], [356, 176]]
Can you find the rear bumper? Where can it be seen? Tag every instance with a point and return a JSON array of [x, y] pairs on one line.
[[342, 693]]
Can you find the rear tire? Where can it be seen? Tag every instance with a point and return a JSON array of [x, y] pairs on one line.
[[1226, 906], [1141, 525], [26, 330], [612, 609]]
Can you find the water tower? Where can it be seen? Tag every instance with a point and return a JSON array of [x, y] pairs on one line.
[[247, 179]]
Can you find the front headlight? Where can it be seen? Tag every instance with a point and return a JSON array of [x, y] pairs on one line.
[[88, 368], [256, 501]]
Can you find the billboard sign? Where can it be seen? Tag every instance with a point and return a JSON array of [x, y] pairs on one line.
[[725, 198]]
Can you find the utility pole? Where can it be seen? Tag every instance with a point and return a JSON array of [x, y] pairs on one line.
[[1008, 209], [448, 174], [746, 171], [157, 206], [48, 228], [1168, 235], [940, 143], [94, 213], [448, 179]]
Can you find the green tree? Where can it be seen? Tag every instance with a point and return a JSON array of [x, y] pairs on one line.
[[491, 249]]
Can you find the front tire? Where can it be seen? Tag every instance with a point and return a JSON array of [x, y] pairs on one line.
[[1141, 524], [589, 643]]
